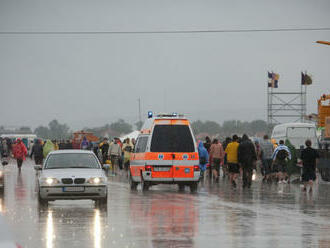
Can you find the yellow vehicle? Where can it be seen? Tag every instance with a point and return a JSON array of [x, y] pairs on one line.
[[324, 115], [324, 126]]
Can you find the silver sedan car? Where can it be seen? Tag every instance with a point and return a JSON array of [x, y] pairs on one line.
[[72, 174]]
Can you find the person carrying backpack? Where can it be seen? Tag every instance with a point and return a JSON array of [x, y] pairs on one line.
[[203, 158], [280, 156]]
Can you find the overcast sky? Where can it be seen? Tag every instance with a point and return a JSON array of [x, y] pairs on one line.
[[89, 80]]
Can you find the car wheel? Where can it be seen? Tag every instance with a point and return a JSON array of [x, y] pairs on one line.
[[132, 184], [181, 187], [103, 201], [42, 202], [193, 187]]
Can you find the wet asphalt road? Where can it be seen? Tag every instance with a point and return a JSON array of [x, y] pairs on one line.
[[217, 216]]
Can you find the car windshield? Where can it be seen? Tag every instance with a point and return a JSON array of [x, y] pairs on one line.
[[172, 138], [72, 160]]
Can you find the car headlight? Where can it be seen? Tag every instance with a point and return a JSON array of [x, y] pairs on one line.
[[50, 181], [96, 180], [1, 173]]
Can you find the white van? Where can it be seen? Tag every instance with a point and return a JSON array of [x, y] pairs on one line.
[[296, 133]]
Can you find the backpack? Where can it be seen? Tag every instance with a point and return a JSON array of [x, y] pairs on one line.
[[281, 154]]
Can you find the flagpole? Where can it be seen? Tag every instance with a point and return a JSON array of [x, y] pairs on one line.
[[301, 103], [268, 112]]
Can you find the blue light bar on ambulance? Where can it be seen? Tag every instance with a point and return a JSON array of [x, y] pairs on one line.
[[175, 115], [150, 114]]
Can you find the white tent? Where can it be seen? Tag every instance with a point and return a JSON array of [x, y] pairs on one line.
[[132, 135]]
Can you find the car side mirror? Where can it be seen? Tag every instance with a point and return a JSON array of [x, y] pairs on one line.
[[37, 167], [4, 163]]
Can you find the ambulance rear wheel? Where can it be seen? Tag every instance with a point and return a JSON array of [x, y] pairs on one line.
[[193, 187], [181, 187], [132, 184], [144, 184]]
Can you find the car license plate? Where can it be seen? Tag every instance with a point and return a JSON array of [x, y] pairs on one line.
[[162, 168], [73, 189]]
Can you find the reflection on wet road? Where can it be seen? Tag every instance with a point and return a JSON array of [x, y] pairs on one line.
[[264, 216]]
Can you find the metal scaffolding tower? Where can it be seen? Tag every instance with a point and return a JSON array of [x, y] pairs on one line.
[[286, 106]]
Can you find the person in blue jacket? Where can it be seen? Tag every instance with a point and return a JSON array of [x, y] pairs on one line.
[[203, 158]]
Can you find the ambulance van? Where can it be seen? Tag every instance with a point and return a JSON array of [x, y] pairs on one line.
[[165, 153]]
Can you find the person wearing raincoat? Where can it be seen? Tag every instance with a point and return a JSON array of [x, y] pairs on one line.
[[19, 152], [48, 147], [203, 158], [84, 144], [292, 167], [127, 150]]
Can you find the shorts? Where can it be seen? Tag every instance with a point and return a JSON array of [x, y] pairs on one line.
[[308, 175], [233, 168], [216, 164], [267, 166], [280, 166]]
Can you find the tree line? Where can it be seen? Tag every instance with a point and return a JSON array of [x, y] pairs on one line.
[[57, 130]]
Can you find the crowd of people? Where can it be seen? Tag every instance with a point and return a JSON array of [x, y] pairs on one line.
[[115, 153], [238, 157]]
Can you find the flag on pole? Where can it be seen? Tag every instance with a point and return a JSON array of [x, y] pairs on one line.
[[273, 80], [306, 79]]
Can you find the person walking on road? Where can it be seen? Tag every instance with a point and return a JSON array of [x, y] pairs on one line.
[[37, 151], [225, 164], [232, 160], [207, 144], [217, 154], [114, 154], [84, 144], [279, 157], [104, 146], [68, 145], [127, 150], [247, 158], [4, 148], [48, 147], [292, 167], [309, 157], [203, 159], [267, 150], [19, 152]]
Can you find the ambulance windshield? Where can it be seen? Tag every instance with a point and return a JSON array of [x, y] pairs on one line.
[[172, 138]]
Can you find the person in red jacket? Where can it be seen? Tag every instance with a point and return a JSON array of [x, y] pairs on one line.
[[20, 152]]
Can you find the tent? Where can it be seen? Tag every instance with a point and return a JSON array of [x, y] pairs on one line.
[[132, 135]]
